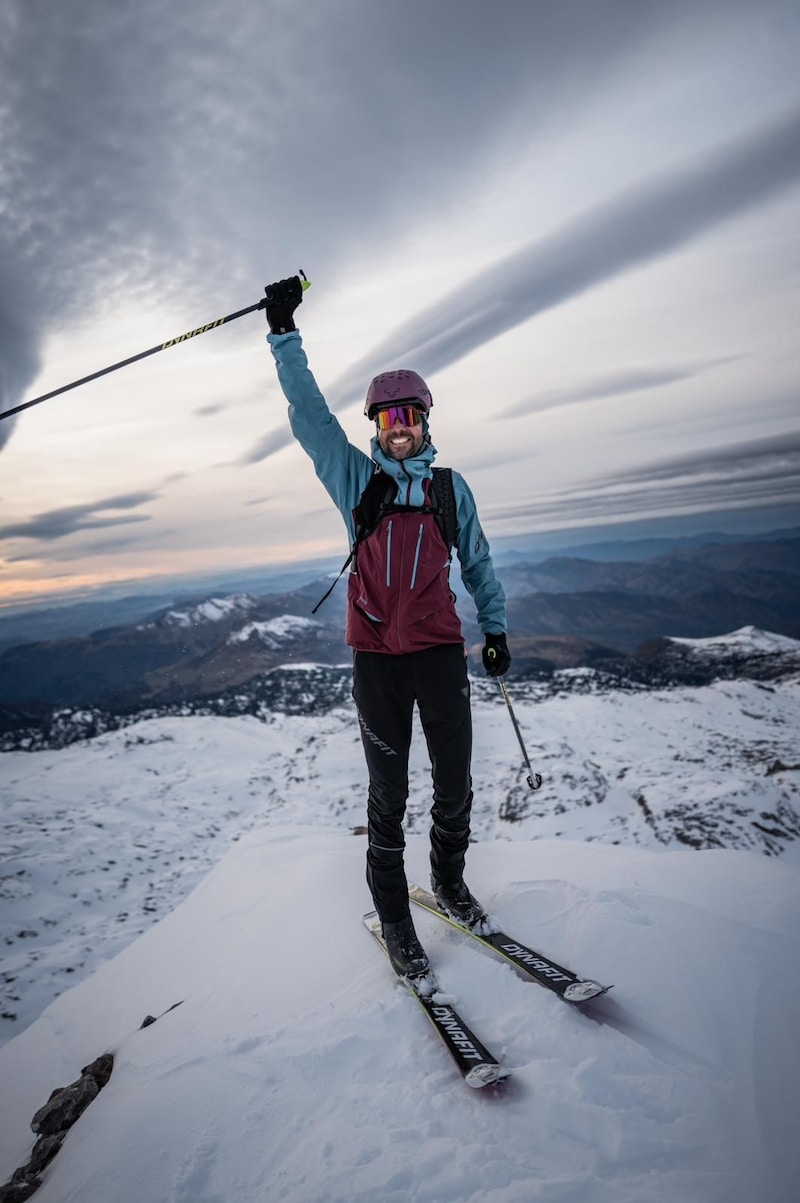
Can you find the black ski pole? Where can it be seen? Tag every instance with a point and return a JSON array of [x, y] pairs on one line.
[[534, 779], [123, 363]]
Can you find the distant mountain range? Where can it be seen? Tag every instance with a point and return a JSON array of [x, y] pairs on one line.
[[310, 689], [565, 612]]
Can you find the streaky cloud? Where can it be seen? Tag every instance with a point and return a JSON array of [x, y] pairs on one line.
[[779, 450], [59, 523], [271, 443], [660, 215], [656, 217], [616, 384], [756, 472]]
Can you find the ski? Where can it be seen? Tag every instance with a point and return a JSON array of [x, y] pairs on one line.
[[475, 1063], [541, 969]]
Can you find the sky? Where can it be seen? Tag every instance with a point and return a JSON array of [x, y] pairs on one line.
[[579, 221]]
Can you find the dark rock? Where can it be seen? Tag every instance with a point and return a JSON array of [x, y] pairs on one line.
[[100, 1069], [43, 1153], [64, 1106], [17, 1192], [779, 767]]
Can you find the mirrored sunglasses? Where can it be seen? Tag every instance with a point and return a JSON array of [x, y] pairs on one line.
[[406, 415]]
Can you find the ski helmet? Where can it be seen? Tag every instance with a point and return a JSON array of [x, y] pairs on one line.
[[392, 388]]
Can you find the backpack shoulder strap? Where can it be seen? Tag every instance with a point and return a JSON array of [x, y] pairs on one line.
[[377, 495], [445, 498], [367, 514]]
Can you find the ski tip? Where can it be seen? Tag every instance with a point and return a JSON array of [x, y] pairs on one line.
[[486, 1075], [580, 992]]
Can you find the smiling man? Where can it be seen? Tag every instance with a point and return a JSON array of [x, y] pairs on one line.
[[408, 647]]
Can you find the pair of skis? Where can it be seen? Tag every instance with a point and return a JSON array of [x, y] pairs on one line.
[[477, 1065]]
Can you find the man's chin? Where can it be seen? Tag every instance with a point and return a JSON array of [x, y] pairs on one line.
[[401, 453]]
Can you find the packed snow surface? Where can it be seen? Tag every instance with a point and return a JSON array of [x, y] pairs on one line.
[[296, 1068]]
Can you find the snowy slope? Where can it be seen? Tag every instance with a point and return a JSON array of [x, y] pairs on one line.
[[103, 838], [295, 1068]]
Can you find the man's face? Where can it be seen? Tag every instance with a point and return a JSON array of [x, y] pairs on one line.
[[403, 438]]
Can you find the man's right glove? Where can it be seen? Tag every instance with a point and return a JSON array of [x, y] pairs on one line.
[[283, 297], [496, 656]]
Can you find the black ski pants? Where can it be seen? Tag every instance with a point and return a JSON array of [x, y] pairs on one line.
[[385, 689]]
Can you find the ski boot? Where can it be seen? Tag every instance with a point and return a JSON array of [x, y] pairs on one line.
[[406, 954], [457, 902]]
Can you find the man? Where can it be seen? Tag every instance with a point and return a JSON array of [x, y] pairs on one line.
[[402, 624]]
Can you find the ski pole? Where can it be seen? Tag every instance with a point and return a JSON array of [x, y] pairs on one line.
[[534, 779], [123, 363]]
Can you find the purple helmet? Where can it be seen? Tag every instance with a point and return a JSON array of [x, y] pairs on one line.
[[393, 388]]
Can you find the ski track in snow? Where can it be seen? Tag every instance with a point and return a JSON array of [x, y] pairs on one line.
[[104, 838]]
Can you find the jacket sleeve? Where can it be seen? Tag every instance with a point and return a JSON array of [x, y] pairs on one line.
[[342, 468], [477, 569]]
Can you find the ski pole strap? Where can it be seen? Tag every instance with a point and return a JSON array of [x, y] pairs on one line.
[[534, 779], [329, 591]]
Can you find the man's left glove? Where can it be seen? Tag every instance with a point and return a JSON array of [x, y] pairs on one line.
[[496, 656], [283, 297]]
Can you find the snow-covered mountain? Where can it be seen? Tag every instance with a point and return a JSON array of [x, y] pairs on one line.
[[275, 633], [213, 609], [564, 612]]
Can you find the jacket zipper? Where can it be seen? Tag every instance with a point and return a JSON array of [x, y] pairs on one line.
[[416, 556], [389, 554]]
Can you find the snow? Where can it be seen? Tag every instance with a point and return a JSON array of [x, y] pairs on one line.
[[749, 640], [275, 630], [215, 609], [297, 1069]]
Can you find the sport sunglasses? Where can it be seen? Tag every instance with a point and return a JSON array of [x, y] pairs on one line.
[[406, 415]]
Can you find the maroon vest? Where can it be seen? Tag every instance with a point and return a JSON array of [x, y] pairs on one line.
[[398, 595]]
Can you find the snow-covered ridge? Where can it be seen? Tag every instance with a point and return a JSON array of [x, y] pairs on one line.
[[214, 609], [748, 641], [275, 631]]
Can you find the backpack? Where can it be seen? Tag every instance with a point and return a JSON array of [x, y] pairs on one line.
[[377, 501]]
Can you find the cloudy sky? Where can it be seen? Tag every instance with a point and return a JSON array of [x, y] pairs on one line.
[[577, 218]]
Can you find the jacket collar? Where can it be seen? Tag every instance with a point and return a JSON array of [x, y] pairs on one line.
[[413, 471]]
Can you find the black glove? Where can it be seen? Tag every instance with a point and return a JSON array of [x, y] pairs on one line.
[[496, 656], [283, 297]]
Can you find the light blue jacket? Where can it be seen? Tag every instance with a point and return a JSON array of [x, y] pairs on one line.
[[344, 470]]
